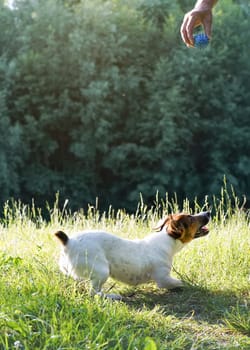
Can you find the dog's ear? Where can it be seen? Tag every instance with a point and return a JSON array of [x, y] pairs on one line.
[[163, 222], [63, 238], [175, 228]]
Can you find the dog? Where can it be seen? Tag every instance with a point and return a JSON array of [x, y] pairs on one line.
[[97, 255]]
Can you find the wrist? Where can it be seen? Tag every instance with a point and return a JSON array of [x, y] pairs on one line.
[[205, 5]]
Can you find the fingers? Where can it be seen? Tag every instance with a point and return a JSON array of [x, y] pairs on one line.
[[190, 21], [184, 31]]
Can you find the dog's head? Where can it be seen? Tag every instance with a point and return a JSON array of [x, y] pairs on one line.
[[186, 227]]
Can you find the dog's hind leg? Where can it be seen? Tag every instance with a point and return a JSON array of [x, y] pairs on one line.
[[98, 277]]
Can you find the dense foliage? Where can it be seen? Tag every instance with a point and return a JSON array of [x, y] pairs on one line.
[[102, 99]]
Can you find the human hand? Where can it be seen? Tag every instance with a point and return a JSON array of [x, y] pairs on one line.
[[193, 19], [200, 15]]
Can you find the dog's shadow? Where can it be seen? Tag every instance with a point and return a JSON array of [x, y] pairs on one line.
[[194, 302], [191, 301]]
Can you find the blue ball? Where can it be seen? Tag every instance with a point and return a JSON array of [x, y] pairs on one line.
[[201, 40]]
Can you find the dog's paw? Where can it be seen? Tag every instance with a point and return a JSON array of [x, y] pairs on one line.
[[170, 283], [115, 297], [177, 286]]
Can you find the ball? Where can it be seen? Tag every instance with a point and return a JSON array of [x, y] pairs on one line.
[[201, 40]]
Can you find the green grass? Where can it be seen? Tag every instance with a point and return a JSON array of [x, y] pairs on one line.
[[42, 309]]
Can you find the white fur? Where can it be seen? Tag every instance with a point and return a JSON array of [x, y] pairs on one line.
[[96, 255]]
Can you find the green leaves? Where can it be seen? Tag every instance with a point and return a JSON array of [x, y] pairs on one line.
[[100, 98]]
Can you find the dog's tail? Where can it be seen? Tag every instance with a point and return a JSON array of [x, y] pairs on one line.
[[62, 237]]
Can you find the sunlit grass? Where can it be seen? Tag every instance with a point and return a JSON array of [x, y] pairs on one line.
[[41, 309]]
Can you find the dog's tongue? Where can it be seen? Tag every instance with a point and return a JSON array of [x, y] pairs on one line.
[[205, 228]]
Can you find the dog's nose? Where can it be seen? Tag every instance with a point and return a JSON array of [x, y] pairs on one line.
[[205, 213]]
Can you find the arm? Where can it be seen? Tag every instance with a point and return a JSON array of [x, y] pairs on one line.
[[201, 14]]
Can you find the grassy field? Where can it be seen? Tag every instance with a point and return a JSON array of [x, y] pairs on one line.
[[42, 309]]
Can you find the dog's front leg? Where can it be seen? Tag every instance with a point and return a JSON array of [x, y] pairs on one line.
[[163, 280], [170, 283]]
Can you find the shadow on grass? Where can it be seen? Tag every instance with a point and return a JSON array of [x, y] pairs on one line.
[[213, 307]]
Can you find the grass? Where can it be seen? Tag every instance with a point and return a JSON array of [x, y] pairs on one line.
[[42, 309]]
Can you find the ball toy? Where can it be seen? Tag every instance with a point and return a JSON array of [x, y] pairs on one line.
[[201, 40]]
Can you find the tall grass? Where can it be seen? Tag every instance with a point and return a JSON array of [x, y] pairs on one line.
[[41, 309]]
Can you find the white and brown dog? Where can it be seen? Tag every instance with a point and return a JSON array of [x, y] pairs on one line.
[[97, 255]]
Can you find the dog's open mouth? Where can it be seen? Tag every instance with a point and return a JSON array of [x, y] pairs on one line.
[[203, 231]]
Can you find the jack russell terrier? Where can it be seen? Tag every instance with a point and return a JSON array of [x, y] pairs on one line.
[[97, 255]]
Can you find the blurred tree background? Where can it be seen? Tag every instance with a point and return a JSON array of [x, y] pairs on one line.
[[102, 99]]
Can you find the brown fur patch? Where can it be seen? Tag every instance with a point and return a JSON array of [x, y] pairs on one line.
[[62, 237], [181, 226]]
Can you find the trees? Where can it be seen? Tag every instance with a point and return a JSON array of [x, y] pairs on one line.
[[100, 98], [11, 152]]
